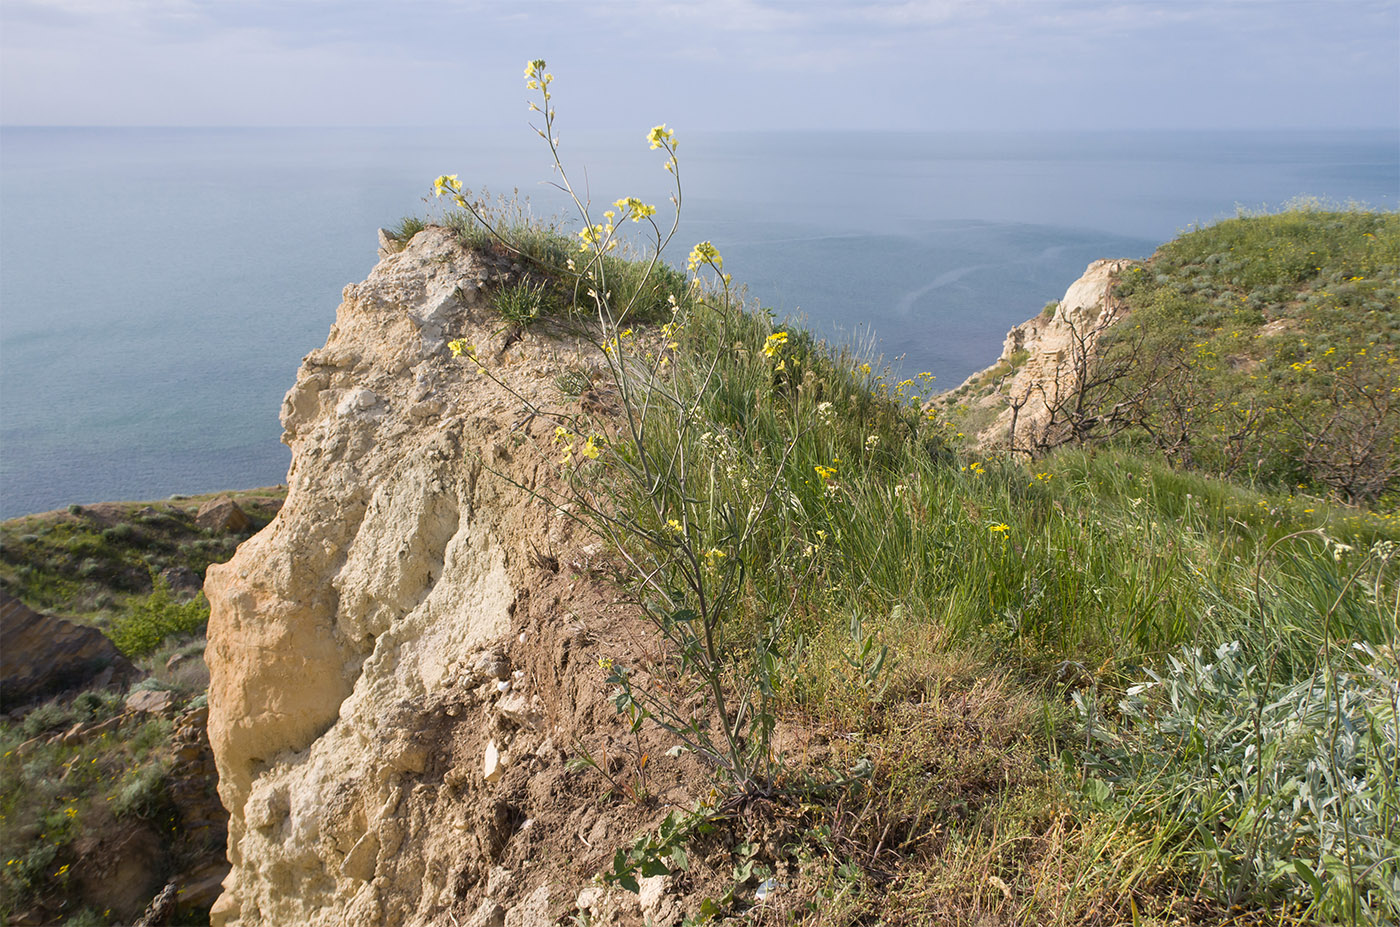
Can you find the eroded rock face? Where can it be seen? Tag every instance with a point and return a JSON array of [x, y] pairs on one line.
[[1042, 359], [347, 712]]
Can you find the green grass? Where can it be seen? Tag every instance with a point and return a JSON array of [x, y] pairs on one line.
[[404, 230], [1000, 589], [1273, 342], [90, 562]]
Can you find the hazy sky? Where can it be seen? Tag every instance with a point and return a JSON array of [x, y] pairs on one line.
[[916, 64]]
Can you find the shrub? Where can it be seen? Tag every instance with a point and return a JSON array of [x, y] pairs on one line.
[[143, 792], [149, 621]]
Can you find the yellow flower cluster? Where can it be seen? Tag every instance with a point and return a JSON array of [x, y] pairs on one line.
[[598, 237], [446, 182], [634, 208], [536, 78], [459, 347], [591, 447], [826, 473], [774, 343], [705, 253], [660, 136]]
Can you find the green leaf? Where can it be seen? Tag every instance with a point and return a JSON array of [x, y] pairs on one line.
[[1305, 873]]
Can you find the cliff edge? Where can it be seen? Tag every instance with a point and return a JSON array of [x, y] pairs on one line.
[[1011, 404], [403, 659]]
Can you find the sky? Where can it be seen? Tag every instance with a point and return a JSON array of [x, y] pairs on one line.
[[706, 64]]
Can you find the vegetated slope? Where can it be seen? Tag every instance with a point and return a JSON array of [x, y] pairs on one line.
[[1263, 348], [1269, 347], [102, 803], [87, 561], [1094, 690], [1000, 694]]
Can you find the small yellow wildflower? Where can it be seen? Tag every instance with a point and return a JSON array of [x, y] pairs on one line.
[[660, 135], [590, 447], [999, 528], [606, 663], [713, 556], [446, 182], [773, 343], [826, 473], [631, 206], [460, 347], [673, 525], [595, 235], [705, 253]]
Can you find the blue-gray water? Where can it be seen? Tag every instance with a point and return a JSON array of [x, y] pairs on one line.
[[159, 286]]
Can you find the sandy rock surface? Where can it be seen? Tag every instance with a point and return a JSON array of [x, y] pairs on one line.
[[399, 665], [1055, 348]]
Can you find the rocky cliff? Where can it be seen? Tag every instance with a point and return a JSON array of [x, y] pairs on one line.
[[1043, 360], [404, 659]]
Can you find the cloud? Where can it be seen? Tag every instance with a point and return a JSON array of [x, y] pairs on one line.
[[730, 63]]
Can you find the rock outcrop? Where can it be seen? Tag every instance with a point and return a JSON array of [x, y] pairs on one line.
[[41, 656], [1011, 403], [405, 614]]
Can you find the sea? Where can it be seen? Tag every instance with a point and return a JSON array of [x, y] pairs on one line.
[[159, 286]]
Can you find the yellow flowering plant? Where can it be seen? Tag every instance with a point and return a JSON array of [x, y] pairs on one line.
[[689, 553]]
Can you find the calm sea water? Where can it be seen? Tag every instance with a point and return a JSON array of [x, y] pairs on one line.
[[158, 287]]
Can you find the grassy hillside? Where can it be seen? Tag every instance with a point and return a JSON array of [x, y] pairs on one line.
[[1096, 689], [99, 806], [1267, 349], [90, 561], [1108, 687]]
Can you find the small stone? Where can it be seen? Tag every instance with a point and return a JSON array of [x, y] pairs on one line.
[[425, 409], [457, 777], [357, 401], [492, 664], [520, 709], [490, 914], [499, 882], [658, 906], [590, 900], [153, 701], [492, 766]]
